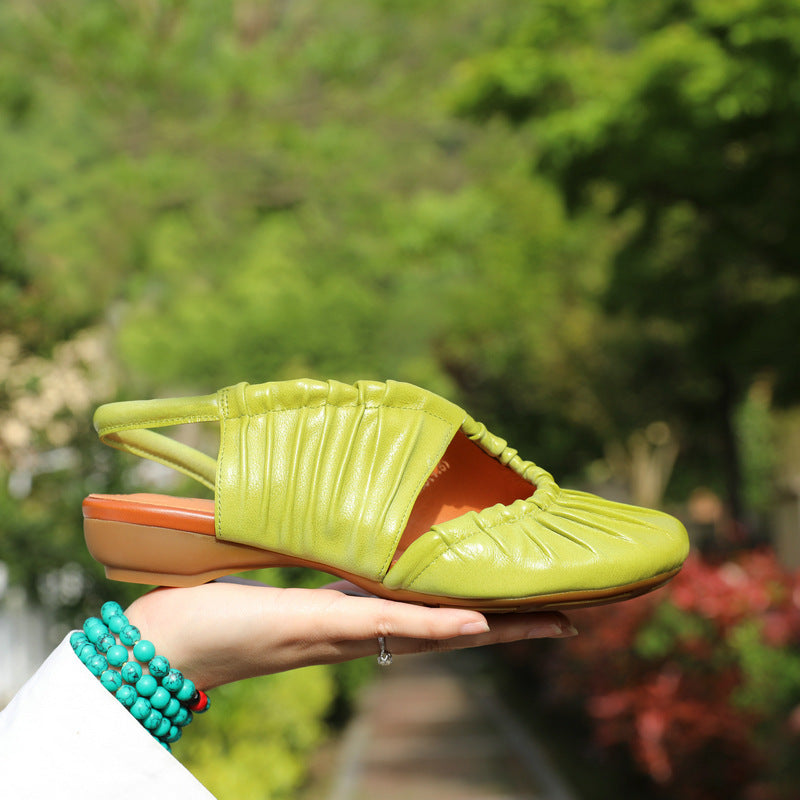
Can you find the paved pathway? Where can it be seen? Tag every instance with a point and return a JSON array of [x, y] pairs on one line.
[[426, 733]]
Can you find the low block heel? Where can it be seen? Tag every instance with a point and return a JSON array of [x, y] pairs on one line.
[[148, 554]]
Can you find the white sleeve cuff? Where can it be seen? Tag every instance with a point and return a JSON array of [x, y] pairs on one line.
[[65, 735]]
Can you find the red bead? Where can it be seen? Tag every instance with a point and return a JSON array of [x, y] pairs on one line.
[[200, 703]]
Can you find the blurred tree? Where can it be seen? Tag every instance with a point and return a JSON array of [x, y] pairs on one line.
[[287, 199], [685, 115], [213, 192]]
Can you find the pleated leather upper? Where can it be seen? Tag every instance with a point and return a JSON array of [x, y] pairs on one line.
[[555, 541], [325, 470], [576, 542]]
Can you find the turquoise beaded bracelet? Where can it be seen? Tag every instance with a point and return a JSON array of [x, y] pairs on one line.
[[161, 699]]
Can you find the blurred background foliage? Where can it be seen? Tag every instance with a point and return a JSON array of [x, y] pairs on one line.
[[579, 220]]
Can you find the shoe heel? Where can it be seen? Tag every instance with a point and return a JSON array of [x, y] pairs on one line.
[[149, 555]]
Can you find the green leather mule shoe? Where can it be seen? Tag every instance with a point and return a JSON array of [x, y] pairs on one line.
[[385, 484]]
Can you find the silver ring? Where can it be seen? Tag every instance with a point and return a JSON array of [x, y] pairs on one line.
[[384, 657]]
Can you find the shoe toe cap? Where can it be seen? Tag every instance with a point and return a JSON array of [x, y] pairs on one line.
[[578, 543]]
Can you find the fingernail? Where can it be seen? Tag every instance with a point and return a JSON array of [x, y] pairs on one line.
[[566, 630], [557, 630], [479, 626]]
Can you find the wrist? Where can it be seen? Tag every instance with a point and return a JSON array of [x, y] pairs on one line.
[[157, 695]]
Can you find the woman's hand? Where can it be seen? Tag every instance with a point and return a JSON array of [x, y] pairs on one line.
[[229, 630]]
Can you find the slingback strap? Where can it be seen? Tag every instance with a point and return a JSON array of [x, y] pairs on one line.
[[124, 425]]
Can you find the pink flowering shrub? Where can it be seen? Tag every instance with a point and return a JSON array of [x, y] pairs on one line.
[[700, 680]]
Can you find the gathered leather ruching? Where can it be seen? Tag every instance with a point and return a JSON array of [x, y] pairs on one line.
[[573, 542], [327, 471]]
